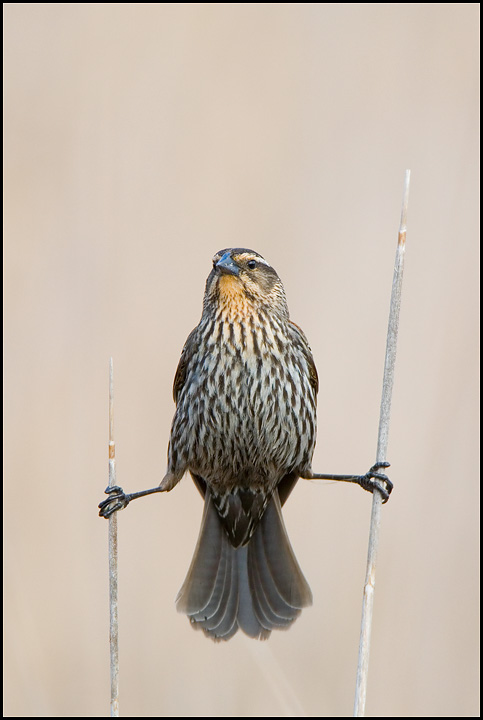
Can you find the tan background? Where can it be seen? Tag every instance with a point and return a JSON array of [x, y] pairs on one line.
[[139, 140]]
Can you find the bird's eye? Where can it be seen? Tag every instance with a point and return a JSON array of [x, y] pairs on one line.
[[251, 264]]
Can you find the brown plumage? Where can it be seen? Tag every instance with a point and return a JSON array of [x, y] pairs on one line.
[[245, 425], [245, 428]]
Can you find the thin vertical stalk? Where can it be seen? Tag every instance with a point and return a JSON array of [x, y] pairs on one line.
[[113, 576], [382, 441]]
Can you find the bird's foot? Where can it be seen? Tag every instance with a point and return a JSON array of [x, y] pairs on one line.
[[373, 479], [117, 500]]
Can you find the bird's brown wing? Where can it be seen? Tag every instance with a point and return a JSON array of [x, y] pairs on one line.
[[303, 343], [180, 376]]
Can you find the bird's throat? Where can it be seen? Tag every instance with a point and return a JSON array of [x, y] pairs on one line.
[[232, 297]]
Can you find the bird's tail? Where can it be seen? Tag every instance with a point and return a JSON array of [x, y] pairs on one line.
[[258, 587]]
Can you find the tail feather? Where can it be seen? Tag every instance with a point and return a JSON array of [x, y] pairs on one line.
[[199, 587], [280, 561], [269, 614], [256, 588], [280, 588], [218, 618], [270, 607], [223, 623], [247, 619]]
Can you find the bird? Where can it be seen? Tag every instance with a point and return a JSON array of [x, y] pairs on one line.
[[245, 428]]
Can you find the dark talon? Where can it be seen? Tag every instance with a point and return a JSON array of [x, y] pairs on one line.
[[117, 500], [113, 489], [380, 465]]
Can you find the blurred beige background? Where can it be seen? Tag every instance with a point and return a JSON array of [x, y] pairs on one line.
[[139, 140]]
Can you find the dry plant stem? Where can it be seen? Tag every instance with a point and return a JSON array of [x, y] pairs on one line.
[[113, 622], [382, 440]]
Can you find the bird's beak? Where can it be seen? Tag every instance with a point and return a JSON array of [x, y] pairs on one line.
[[227, 266]]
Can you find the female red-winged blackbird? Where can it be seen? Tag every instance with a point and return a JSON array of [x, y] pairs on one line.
[[245, 427]]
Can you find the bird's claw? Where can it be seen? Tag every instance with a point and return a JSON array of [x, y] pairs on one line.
[[377, 480], [117, 500]]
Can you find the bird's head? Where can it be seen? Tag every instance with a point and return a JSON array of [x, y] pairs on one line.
[[242, 281]]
